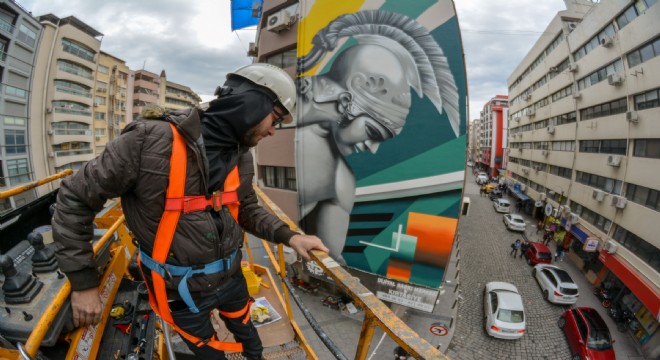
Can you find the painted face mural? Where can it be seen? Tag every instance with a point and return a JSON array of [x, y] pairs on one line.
[[381, 134]]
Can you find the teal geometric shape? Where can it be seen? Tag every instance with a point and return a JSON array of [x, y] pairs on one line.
[[406, 245]]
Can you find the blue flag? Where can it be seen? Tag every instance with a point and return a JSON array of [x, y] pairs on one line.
[[245, 13]]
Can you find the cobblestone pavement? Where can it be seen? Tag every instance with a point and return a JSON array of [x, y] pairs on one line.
[[485, 247]]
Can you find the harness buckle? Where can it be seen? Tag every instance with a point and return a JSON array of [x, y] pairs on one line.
[[217, 200], [186, 204]]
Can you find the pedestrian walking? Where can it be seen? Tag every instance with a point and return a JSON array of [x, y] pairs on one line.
[[481, 191], [539, 226], [559, 254], [518, 206], [523, 248], [515, 247]]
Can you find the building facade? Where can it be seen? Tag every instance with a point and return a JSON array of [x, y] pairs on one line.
[[19, 39], [146, 90], [275, 155], [62, 107], [473, 141], [493, 134], [584, 144], [175, 96], [111, 95]]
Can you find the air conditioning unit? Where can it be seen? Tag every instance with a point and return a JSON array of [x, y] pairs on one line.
[[522, 187], [619, 202], [537, 168], [573, 218], [610, 246], [531, 112], [606, 41], [97, 137], [571, 26], [551, 129], [527, 97], [252, 49], [614, 79], [51, 154], [50, 132], [542, 196], [572, 67], [553, 69], [613, 160], [516, 119], [632, 116], [525, 170], [520, 149], [577, 95], [544, 152], [565, 210], [49, 110], [598, 195], [279, 21]]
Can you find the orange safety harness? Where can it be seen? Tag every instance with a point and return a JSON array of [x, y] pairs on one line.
[[175, 204]]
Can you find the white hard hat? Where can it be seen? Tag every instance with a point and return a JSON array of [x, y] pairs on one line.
[[274, 79]]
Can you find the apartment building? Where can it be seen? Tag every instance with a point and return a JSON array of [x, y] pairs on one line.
[[175, 96], [584, 144], [111, 94], [146, 90], [19, 38], [275, 155], [62, 106], [473, 136], [493, 131]]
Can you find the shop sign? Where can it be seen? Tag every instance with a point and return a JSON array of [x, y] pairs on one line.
[[591, 244], [409, 295]]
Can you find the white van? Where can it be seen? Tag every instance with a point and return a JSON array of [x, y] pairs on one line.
[[502, 205]]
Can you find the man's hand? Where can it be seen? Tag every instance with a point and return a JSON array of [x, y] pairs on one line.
[[86, 307], [302, 244]]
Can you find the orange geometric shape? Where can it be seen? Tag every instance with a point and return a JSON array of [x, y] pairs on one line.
[[399, 270], [435, 237]]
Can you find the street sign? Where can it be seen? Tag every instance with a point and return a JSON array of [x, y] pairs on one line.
[[590, 245], [438, 329]]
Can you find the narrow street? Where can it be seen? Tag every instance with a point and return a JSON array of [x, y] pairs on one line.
[[485, 247]]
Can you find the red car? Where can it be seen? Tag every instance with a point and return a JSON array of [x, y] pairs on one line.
[[587, 334], [538, 253]]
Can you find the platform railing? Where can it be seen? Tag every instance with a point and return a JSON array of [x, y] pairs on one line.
[[377, 314]]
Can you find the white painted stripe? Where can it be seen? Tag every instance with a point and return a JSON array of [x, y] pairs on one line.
[[437, 14], [415, 187]]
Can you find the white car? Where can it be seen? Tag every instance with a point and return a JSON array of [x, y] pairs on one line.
[[502, 205], [504, 312], [556, 284], [482, 178], [514, 222]]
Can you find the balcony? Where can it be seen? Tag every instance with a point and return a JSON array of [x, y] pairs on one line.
[[7, 27]]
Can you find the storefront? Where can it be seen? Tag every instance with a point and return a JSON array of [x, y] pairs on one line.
[[526, 205], [633, 293], [583, 245]]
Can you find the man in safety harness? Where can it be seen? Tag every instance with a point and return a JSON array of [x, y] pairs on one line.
[[185, 181]]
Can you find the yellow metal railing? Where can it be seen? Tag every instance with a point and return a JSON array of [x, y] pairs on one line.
[[377, 314], [25, 187]]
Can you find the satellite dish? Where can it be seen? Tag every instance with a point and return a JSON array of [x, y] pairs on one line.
[[538, 203], [548, 209]]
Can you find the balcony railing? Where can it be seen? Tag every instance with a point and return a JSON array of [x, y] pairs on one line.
[[72, 111], [82, 93], [7, 26], [72, 132], [63, 153]]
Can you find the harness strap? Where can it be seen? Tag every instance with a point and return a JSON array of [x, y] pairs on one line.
[[164, 236], [167, 271], [189, 204], [244, 312]]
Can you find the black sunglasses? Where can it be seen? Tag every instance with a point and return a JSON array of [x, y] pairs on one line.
[[279, 116]]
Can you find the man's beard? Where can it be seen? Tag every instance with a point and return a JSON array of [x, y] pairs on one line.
[[250, 139]]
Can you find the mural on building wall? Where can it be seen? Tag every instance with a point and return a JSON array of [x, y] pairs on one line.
[[381, 133]]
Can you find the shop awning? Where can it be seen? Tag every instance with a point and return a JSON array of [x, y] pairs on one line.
[[648, 294], [579, 231], [520, 195]]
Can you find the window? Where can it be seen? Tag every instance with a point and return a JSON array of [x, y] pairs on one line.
[[649, 148], [647, 100], [600, 74], [18, 171], [644, 53], [617, 146], [103, 69], [78, 50], [10, 120], [75, 69], [618, 106], [26, 35], [593, 218], [599, 182], [640, 247], [643, 196], [99, 116], [99, 100], [633, 11], [73, 88], [15, 142], [563, 145], [71, 128], [69, 107], [284, 59], [279, 177], [594, 42], [562, 93], [561, 171], [14, 91]]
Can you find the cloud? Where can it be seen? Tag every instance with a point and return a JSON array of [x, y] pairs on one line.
[[193, 43]]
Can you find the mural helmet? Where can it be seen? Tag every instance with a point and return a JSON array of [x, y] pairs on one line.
[[274, 79]]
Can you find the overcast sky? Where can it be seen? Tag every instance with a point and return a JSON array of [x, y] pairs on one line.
[[193, 42]]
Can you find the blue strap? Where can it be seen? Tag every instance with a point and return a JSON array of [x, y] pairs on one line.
[[167, 271]]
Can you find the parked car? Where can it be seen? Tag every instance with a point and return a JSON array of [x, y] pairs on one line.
[[470, 164], [502, 205], [514, 222], [557, 285], [504, 312], [495, 194], [538, 253], [482, 178], [587, 334]]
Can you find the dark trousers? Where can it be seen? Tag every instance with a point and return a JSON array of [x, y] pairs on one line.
[[233, 296]]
